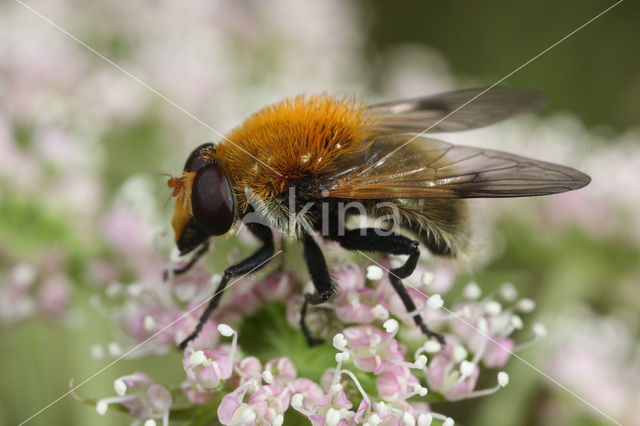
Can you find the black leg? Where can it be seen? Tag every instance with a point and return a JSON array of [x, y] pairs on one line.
[[194, 259], [369, 239], [251, 264], [322, 282]]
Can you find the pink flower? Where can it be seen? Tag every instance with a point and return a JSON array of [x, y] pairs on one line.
[[394, 304], [373, 350], [327, 379], [127, 227], [233, 411], [498, 353], [350, 277], [196, 394], [441, 278], [228, 408], [454, 378], [266, 403], [270, 402], [277, 286], [282, 369], [54, 295], [248, 368], [461, 388], [355, 306], [240, 300], [198, 281], [151, 309], [17, 302], [311, 393], [391, 413], [487, 328], [207, 339], [395, 383], [103, 271], [362, 410], [123, 228], [146, 322], [208, 368], [143, 398], [335, 409]]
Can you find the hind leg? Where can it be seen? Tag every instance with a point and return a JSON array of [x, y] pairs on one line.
[[369, 239]]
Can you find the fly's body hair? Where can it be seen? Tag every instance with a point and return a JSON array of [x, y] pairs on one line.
[[294, 139]]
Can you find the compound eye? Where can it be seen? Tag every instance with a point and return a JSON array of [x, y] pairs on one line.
[[212, 200], [195, 161]]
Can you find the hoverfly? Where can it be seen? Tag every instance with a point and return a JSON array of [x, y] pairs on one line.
[[323, 151]]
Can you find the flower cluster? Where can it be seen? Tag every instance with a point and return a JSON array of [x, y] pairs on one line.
[[385, 371], [39, 288]]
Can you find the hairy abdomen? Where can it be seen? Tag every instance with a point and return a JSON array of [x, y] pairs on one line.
[[442, 225]]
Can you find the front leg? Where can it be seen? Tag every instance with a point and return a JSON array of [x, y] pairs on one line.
[[321, 281], [251, 264], [204, 248]]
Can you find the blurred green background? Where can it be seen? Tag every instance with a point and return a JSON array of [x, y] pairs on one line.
[[80, 139]]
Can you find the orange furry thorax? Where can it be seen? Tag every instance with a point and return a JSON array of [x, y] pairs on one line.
[[292, 139]]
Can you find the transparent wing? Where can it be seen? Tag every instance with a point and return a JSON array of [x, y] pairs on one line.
[[454, 111], [429, 168]]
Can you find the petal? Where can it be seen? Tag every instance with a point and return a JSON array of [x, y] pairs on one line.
[[227, 408], [208, 378], [436, 372], [388, 385], [496, 356], [463, 388], [317, 420], [362, 408], [310, 390], [249, 366], [368, 364], [159, 397]]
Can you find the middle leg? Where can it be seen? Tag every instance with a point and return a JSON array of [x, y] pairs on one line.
[[321, 281], [204, 248]]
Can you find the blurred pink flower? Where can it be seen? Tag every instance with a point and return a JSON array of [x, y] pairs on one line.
[[281, 369], [143, 398], [55, 296], [598, 363], [38, 288]]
